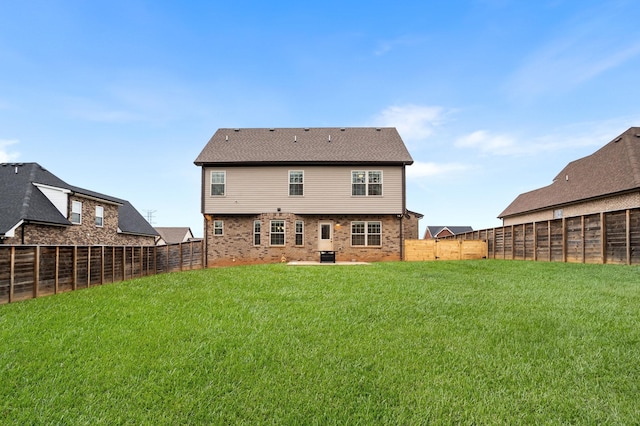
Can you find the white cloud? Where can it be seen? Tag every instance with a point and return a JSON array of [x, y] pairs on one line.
[[5, 155], [588, 48], [569, 137], [414, 122], [419, 169], [488, 143]]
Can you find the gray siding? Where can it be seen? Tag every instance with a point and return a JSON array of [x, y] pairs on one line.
[[327, 190]]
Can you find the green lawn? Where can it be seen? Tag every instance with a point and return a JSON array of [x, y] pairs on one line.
[[472, 342]]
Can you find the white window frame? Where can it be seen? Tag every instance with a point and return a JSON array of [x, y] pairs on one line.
[[76, 211], [257, 228], [299, 229], [282, 232], [218, 173], [218, 228], [99, 216], [293, 183], [363, 178], [366, 233]]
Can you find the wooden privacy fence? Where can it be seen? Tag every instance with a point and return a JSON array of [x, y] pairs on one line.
[[28, 272], [608, 237], [416, 250]]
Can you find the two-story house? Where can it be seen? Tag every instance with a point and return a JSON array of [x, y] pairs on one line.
[[37, 207], [607, 180], [289, 194]]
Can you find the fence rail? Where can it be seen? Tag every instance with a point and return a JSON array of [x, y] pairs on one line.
[[28, 272], [608, 237]]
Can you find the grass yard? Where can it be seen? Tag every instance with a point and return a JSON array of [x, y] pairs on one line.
[[472, 342]]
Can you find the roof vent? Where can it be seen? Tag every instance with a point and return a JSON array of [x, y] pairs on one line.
[[226, 138], [306, 129], [618, 139], [329, 139], [637, 135], [272, 129], [342, 129], [236, 130], [378, 129], [295, 138]]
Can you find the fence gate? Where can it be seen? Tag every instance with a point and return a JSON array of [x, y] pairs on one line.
[[422, 250]]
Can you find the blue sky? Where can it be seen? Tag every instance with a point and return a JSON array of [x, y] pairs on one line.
[[492, 97]]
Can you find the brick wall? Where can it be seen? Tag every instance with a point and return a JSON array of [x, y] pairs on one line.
[[86, 233], [236, 245], [618, 202]]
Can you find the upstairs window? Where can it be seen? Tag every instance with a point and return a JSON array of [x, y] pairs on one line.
[[277, 233], [374, 183], [76, 212], [366, 183], [99, 216], [218, 184], [296, 182]]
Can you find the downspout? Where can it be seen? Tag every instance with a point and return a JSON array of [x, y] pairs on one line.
[[204, 219], [404, 208]]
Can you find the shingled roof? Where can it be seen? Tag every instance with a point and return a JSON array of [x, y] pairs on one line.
[[613, 169], [20, 200], [325, 145]]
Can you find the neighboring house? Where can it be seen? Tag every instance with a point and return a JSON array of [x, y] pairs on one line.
[[608, 179], [36, 207], [287, 194], [434, 232], [173, 235]]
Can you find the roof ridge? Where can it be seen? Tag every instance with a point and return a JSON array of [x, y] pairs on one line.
[[26, 201]]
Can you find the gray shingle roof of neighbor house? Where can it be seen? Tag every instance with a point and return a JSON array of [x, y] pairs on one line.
[[20, 200], [315, 145], [613, 169], [176, 234], [455, 230]]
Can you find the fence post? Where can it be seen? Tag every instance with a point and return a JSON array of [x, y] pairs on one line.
[[180, 259], [102, 265], [124, 263], [74, 283], [56, 279], [36, 272], [88, 266], [603, 239], [582, 237], [12, 270], [549, 239], [564, 240], [628, 235]]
